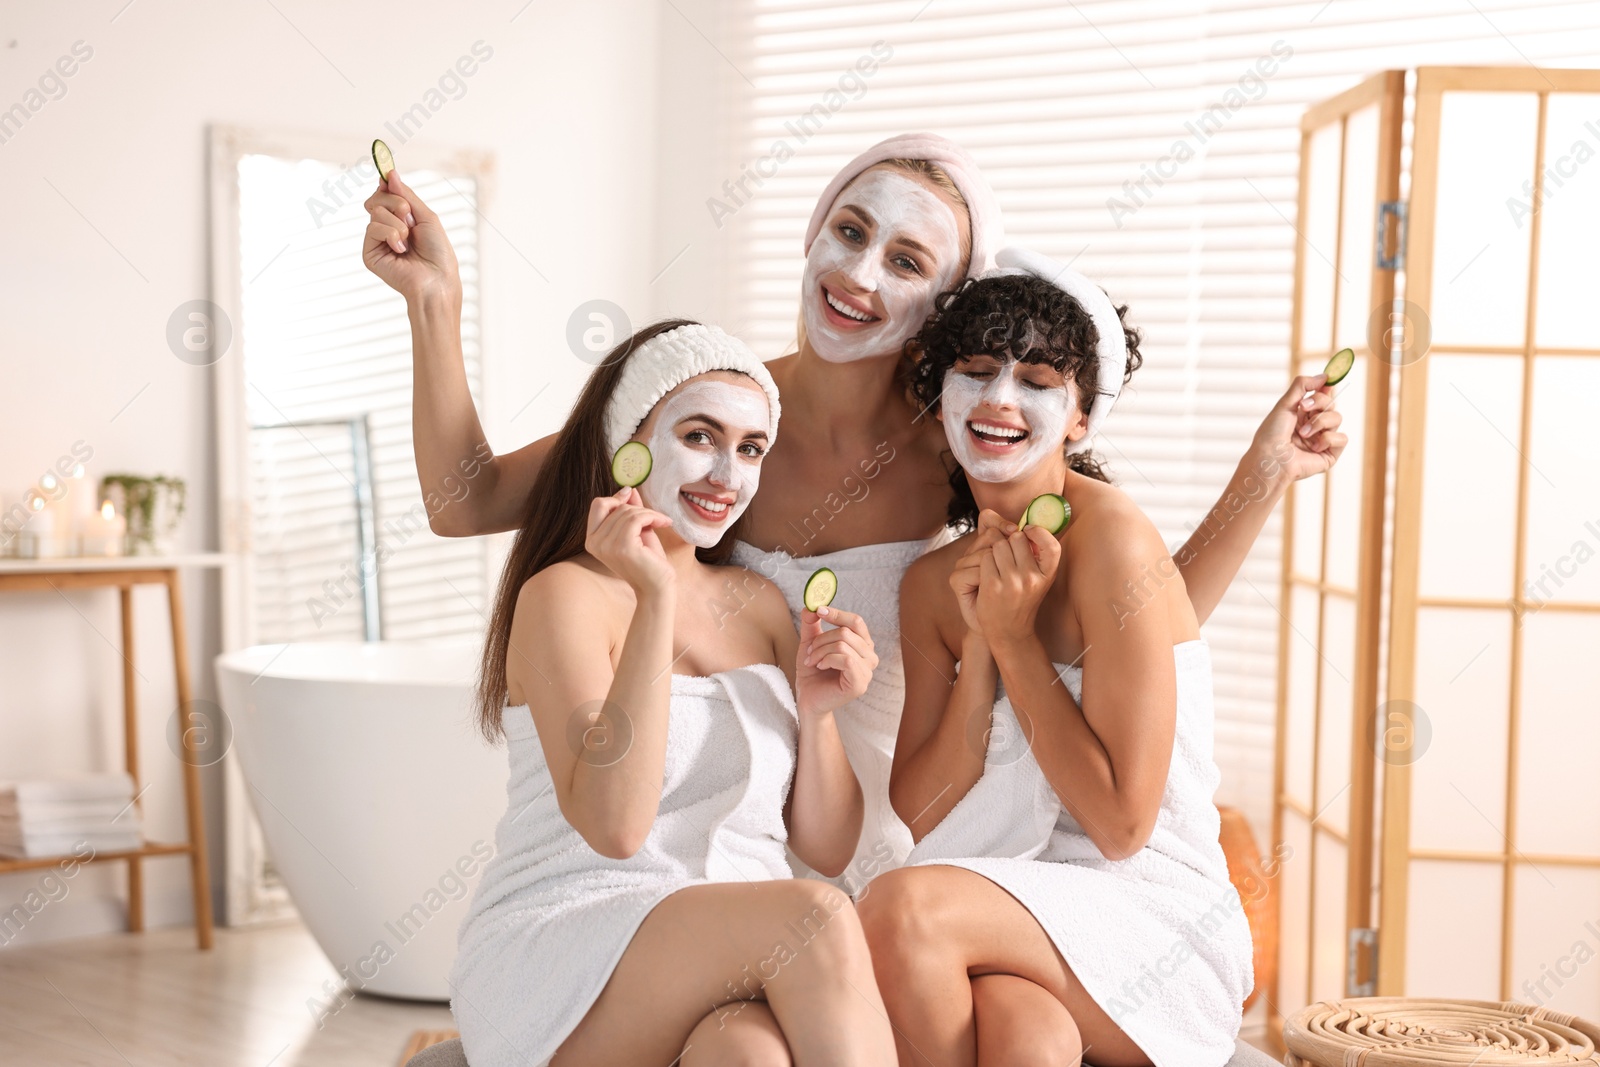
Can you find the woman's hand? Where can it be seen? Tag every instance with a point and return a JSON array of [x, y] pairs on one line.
[[991, 529], [1013, 578], [1300, 436], [832, 667], [406, 244], [622, 535]]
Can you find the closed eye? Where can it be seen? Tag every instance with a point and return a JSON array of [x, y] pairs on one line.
[[979, 367]]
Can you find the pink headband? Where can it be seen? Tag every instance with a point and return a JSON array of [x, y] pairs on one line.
[[983, 211]]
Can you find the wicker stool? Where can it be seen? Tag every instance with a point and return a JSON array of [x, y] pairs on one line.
[[1406, 1032]]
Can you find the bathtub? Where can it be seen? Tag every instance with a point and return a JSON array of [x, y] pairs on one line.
[[376, 795]]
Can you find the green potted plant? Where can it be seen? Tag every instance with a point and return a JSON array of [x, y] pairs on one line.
[[152, 505]]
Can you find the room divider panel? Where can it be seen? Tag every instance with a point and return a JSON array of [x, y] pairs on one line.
[[1330, 606], [1438, 696], [1491, 847]]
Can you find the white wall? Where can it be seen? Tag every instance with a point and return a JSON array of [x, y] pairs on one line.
[[698, 147], [105, 233]]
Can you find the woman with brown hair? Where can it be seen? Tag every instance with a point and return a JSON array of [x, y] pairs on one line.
[[866, 493], [640, 906]]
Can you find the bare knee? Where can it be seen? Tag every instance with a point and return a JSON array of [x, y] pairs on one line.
[[741, 1034], [1021, 1024], [902, 914], [819, 921]]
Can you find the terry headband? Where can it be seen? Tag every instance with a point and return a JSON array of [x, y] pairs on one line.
[[983, 210], [1111, 352], [668, 360]]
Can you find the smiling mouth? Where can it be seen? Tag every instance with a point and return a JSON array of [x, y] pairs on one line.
[[995, 436], [706, 508], [839, 310]]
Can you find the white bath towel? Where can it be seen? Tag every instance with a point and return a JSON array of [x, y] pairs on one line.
[[1159, 940], [35, 846], [1009, 811], [19, 796], [47, 810], [551, 917], [869, 585], [118, 820]]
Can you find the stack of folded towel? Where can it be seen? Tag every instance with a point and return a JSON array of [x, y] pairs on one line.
[[54, 817]]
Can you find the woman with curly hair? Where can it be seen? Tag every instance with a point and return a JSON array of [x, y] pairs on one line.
[[1054, 763]]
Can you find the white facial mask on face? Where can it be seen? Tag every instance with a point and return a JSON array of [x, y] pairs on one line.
[[718, 468], [898, 206], [1045, 411]]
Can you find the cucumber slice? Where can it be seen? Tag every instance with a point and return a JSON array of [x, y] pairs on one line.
[[631, 465], [1340, 365], [1048, 510], [820, 589], [383, 159]]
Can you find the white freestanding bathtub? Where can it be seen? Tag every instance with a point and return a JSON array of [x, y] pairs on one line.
[[376, 795]]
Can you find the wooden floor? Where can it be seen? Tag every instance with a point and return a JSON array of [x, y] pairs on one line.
[[151, 999]]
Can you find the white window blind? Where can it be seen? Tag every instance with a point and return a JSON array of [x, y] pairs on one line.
[[1140, 140], [327, 353]]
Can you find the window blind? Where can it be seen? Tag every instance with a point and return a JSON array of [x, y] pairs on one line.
[[1152, 143], [327, 348]]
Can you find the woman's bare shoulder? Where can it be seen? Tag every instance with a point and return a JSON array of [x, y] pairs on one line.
[[740, 589], [1112, 541], [932, 569], [1107, 511], [568, 617], [581, 579]]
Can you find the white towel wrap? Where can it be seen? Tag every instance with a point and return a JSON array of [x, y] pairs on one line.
[[551, 917], [1159, 940]]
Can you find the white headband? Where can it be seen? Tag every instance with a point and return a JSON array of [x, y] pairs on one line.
[[1112, 350], [668, 360]]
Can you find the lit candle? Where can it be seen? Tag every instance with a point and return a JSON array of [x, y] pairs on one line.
[[118, 531], [53, 533], [41, 539], [83, 503], [103, 533], [44, 516]]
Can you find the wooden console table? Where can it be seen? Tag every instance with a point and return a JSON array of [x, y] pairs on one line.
[[123, 573]]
